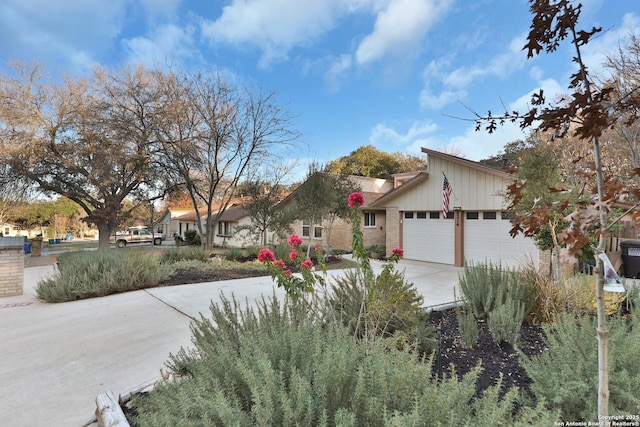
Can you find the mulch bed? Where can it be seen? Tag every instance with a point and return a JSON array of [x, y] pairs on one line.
[[194, 275], [494, 358]]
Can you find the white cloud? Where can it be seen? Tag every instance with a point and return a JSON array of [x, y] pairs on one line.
[[607, 43], [399, 28], [60, 31], [274, 26], [165, 45], [334, 76], [453, 84], [383, 136]]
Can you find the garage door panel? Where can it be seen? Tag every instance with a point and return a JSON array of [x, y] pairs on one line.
[[489, 241], [429, 240]]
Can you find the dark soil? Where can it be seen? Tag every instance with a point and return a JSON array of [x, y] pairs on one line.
[[194, 275], [494, 358]]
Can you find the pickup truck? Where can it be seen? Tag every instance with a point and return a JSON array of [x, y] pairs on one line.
[[135, 235]]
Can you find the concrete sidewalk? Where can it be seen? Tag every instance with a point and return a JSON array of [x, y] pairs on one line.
[[56, 358]]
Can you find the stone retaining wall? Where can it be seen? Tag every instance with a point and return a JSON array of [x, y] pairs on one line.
[[11, 266]]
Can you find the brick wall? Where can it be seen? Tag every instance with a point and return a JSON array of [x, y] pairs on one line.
[[11, 266], [393, 229]]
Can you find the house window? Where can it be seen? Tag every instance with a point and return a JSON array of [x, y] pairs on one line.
[[317, 230], [450, 215], [224, 229], [507, 215], [434, 215], [489, 215], [421, 215], [369, 219], [408, 214], [472, 215], [7, 231]]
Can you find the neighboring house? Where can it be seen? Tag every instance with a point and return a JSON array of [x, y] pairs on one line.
[[8, 229], [476, 228], [373, 219], [226, 231], [168, 224]]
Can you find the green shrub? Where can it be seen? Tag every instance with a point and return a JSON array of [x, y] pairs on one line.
[[468, 326], [566, 375], [484, 287], [85, 274], [182, 253], [501, 295], [505, 321], [278, 366], [393, 308], [192, 238]]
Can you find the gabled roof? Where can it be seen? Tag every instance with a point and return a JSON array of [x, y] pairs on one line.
[[407, 185], [422, 176], [467, 163], [236, 203]]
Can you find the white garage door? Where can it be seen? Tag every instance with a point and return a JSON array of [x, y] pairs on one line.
[[487, 239], [426, 238]]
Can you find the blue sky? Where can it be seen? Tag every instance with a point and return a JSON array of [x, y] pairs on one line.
[[353, 72]]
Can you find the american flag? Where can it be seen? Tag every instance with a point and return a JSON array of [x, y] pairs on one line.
[[446, 194]]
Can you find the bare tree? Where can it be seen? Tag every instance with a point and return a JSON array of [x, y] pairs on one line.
[[90, 140], [262, 193], [213, 134]]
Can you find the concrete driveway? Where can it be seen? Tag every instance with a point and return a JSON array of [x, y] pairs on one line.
[[56, 358]]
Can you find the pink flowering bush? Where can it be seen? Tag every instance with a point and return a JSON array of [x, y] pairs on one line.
[[294, 286], [355, 200]]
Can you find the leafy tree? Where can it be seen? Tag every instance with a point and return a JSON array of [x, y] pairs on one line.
[[13, 191], [586, 112], [88, 139], [370, 162], [511, 157], [323, 196]]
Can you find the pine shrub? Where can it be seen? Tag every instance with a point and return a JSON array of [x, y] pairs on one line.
[[276, 365], [89, 274], [192, 238]]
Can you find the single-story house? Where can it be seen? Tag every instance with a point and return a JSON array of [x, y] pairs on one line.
[[476, 227], [407, 212]]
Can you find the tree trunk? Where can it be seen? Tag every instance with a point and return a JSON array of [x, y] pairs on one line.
[[104, 232], [603, 332]]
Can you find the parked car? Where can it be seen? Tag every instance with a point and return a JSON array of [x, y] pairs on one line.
[[136, 235]]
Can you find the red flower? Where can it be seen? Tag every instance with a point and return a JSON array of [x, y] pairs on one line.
[[279, 263], [295, 240], [319, 249], [265, 255], [398, 251], [287, 272], [306, 264], [356, 199], [293, 255]]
